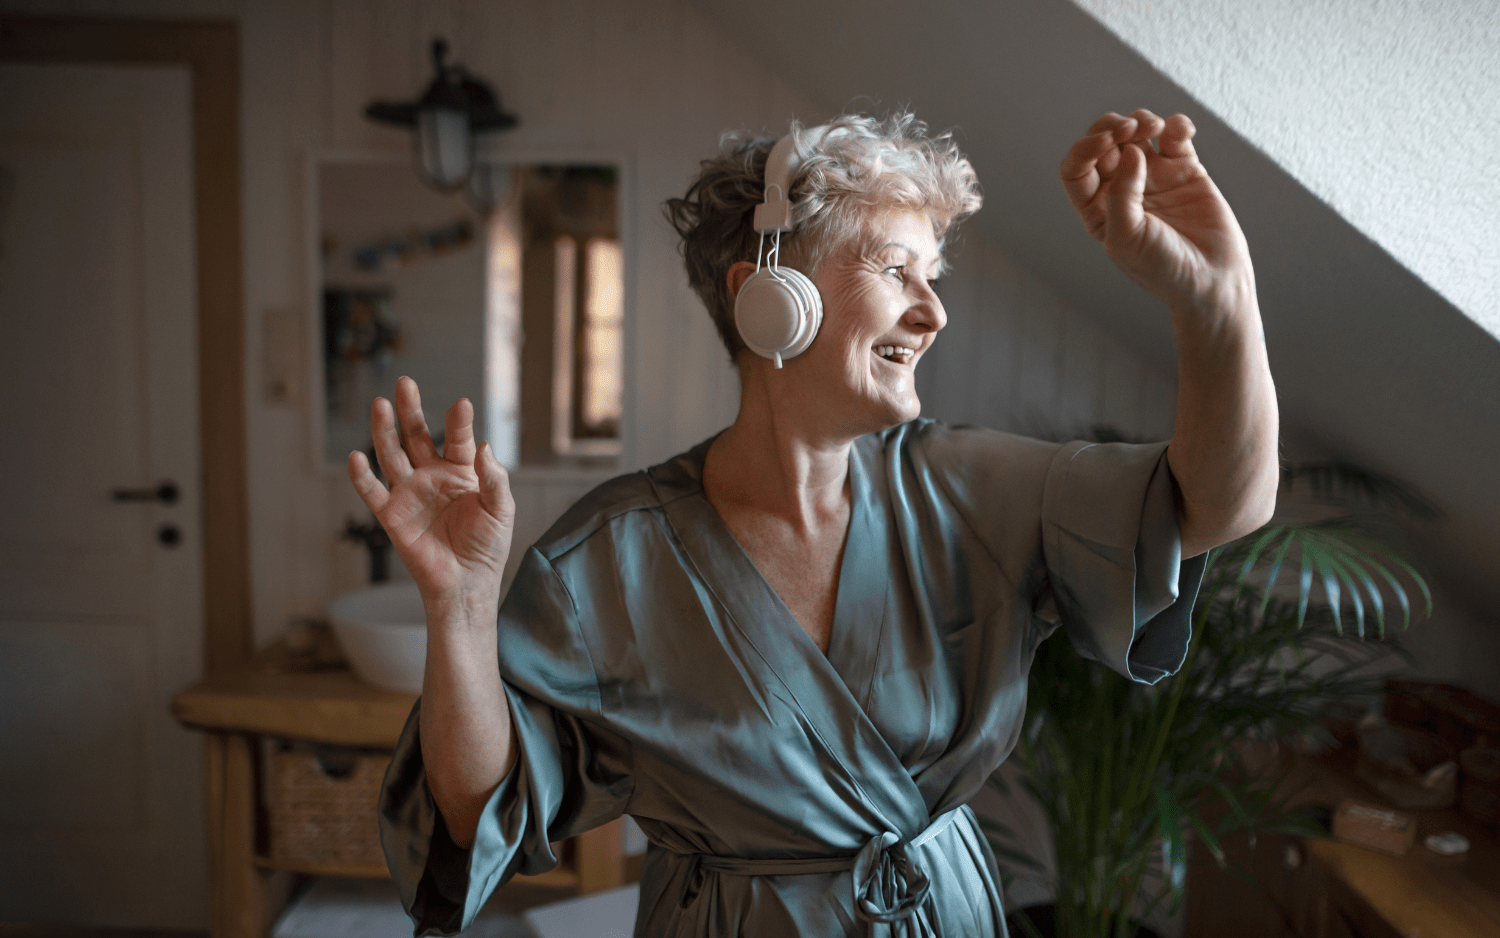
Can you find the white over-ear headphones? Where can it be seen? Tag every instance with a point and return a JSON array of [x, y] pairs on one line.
[[778, 310]]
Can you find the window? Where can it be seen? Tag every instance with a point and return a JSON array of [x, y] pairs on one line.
[[588, 347], [572, 302]]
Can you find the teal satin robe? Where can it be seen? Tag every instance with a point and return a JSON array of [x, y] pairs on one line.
[[652, 671]]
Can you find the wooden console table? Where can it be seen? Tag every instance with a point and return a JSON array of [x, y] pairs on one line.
[[1308, 887], [241, 709]]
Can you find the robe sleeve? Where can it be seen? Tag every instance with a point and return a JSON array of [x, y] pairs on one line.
[[1087, 530], [1113, 556], [569, 776]]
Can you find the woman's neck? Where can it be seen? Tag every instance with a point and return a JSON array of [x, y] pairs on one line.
[[778, 461]]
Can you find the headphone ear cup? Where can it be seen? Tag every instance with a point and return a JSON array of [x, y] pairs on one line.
[[778, 312], [810, 302]]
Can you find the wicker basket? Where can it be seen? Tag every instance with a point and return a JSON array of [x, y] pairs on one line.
[[322, 806]]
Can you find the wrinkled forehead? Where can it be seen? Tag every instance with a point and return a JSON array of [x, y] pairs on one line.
[[913, 232]]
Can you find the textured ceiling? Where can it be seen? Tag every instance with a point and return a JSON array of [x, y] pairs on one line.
[[1370, 363], [1389, 112]]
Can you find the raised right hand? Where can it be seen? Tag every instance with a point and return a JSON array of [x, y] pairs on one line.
[[1159, 216], [450, 517]]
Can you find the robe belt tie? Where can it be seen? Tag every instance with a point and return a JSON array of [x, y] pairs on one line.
[[889, 885]]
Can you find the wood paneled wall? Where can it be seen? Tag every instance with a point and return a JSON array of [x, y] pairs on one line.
[[1015, 357], [650, 80], [653, 80]]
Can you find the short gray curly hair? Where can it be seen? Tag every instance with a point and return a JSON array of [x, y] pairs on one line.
[[873, 163]]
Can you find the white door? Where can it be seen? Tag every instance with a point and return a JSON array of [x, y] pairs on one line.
[[101, 793]]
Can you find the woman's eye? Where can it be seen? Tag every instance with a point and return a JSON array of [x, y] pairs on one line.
[[898, 272], [932, 284]]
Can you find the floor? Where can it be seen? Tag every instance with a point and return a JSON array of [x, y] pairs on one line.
[[369, 908], [8, 930], [343, 908]]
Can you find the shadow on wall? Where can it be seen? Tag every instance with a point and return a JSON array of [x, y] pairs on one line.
[[1372, 366]]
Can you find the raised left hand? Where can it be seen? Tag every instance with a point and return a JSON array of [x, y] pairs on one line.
[[1159, 216]]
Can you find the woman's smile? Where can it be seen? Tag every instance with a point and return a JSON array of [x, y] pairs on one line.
[[880, 315], [896, 354]]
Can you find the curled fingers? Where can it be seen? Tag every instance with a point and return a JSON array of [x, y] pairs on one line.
[[1094, 161], [1079, 170], [1083, 175], [1176, 137], [1124, 215]]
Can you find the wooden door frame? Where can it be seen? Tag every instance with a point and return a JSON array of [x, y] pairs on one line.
[[210, 52]]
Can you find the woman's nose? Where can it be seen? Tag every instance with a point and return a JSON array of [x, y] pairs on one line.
[[928, 311]]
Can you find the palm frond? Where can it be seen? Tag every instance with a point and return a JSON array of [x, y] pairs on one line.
[[1341, 483], [1120, 769], [1341, 556]]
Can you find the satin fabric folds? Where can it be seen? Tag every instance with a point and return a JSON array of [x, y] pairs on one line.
[[651, 670]]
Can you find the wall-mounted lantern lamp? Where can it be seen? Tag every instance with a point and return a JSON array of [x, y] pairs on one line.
[[454, 108]]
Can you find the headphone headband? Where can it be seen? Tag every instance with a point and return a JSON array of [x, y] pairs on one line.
[[774, 213], [778, 310]]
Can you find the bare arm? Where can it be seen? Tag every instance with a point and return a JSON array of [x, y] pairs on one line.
[[468, 744], [1165, 224], [1224, 446], [450, 518]]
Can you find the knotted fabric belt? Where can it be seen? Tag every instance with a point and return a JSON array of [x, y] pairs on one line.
[[889, 885]]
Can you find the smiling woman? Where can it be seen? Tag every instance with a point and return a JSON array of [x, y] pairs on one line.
[[795, 652]]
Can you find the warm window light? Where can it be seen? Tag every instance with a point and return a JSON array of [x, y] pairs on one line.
[[502, 332], [564, 263], [604, 311], [588, 346]]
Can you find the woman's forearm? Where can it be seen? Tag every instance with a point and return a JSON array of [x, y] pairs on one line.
[[468, 744], [1224, 448]]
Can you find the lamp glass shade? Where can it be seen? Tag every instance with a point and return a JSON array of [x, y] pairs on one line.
[[445, 147]]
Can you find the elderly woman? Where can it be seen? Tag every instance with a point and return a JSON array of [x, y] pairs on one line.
[[794, 652]]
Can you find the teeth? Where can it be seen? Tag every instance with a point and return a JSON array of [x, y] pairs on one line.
[[893, 352]]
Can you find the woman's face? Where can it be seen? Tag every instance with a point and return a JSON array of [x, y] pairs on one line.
[[880, 315]]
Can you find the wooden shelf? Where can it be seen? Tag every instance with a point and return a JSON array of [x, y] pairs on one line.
[[1345, 888], [331, 707], [1422, 892]]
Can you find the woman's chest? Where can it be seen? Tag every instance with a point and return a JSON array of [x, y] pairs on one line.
[[695, 665], [801, 568]]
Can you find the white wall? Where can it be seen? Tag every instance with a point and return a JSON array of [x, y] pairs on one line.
[[1388, 111], [650, 79], [653, 80], [437, 300], [1015, 356], [1372, 365]]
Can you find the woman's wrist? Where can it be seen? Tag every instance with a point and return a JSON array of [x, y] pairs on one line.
[[1231, 300], [1222, 323], [463, 610]]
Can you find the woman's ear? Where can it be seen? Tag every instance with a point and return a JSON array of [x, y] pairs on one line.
[[738, 274]]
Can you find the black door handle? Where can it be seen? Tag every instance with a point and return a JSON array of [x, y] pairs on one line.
[[166, 493]]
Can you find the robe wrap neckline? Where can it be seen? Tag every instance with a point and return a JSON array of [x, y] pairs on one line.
[[889, 884]]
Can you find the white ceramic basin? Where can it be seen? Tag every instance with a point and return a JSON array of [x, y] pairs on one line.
[[383, 631]]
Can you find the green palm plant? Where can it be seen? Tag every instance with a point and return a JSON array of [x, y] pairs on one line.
[[1122, 770]]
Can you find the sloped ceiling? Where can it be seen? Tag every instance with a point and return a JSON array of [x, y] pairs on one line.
[[1389, 112], [1370, 363]]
